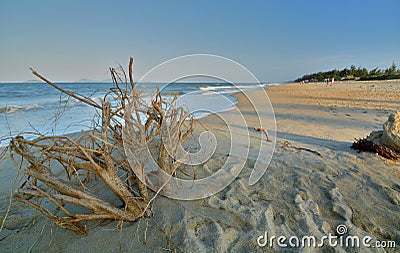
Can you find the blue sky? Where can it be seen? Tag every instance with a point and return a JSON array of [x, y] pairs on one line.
[[276, 40]]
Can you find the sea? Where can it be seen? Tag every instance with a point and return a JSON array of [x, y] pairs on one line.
[[31, 108]]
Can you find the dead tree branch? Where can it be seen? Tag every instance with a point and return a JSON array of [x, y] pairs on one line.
[[100, 154]]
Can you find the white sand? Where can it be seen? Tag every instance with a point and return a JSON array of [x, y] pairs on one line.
[[301, 193]]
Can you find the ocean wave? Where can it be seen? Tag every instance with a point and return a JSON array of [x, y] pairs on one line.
[[12, 109], [48, 104], [232, 87]]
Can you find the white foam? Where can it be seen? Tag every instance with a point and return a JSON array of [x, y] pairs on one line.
[[15, 108]]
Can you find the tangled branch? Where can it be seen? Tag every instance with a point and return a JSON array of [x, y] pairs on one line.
[[99, 154]]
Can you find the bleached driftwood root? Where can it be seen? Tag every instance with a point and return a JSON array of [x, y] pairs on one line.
[[99, 154]]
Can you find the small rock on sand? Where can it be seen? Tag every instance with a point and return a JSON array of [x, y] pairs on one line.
[[391, 132], [390, 136]]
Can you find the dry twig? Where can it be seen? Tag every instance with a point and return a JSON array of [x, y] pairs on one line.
[[259, 129], [287, 145]]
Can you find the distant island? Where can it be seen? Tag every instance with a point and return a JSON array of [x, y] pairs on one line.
[[33, 81], [353, 73]]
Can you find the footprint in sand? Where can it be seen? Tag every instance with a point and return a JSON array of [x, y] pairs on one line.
[[339, 206]]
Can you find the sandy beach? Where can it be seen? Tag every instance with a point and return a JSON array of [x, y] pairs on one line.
[[301, 193]]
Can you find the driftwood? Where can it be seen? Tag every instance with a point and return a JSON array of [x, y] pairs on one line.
[[287, 145], [99, 154], [382, 150], [259, 129]]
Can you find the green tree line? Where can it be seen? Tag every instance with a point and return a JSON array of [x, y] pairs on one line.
[[353, 73]]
